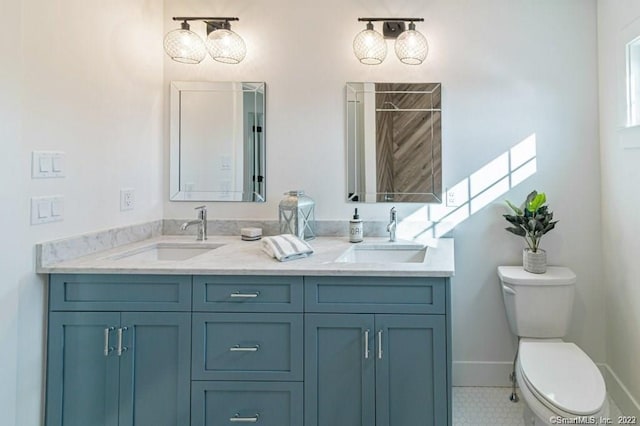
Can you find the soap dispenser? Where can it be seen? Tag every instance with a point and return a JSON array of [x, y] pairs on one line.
[[355, 228]]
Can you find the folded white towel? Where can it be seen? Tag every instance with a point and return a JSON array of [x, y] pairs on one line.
[[286, 247]]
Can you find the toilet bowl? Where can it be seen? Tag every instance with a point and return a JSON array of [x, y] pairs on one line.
[[557, 379]]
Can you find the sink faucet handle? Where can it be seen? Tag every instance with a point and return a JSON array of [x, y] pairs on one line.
[[202, 211], [393, 223]]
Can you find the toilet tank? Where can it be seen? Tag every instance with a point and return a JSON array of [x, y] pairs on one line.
[[538, 305]]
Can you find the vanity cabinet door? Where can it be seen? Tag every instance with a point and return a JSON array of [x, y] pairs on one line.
[[339, 370], [118, 369], [155, 369], [411, 370], [82, 369]]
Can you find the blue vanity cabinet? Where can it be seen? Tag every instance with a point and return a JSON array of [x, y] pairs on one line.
[[411, 370], [82, 383], [247, 346], [339, 370], [155, 369], [367, 363], [118, 367], [163, 350]]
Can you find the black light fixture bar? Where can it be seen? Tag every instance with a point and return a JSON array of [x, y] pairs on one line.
[[205, 18], [391, 19], [392, 27]]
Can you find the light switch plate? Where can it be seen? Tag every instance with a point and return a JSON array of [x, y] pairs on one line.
[[47, 164], [47, 209]]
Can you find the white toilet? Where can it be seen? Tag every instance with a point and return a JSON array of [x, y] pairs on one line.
[[556, 379]]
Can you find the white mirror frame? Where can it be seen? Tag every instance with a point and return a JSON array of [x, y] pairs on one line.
[[176, 193]]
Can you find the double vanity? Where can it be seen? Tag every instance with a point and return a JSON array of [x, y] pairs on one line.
[[170, 331]]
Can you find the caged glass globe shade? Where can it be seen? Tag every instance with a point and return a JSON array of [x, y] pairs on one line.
[[411, 46], [184, 46], [369, 46], [226, 46]]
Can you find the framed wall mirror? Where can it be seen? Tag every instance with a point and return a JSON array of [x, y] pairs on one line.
[[217, 141], [394, 141]]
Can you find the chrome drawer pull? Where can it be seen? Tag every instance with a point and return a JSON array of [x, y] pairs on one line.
[[237, 418], [120, 349], [238, 348], [379, 344], [107, 348], [237, 294], [366, 344]]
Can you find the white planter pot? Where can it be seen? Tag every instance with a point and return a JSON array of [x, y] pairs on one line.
[[536, 263]]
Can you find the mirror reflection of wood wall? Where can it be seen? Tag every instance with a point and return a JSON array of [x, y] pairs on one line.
[[408, 130]]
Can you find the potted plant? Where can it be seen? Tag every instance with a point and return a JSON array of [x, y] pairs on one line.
[[531, 221]]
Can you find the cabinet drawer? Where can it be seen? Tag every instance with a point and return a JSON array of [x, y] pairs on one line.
[[229, 403], [247, 346], [113, 292], [247, 294], [410, 295]]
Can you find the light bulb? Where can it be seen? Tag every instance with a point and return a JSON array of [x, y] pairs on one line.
[[411, 46], [369, 46], [226, 46], [184, 45]]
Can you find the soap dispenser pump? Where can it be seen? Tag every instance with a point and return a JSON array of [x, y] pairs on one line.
[[355, 228]]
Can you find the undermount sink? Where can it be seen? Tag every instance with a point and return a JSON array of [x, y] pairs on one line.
[[384, 253], [166, 251]]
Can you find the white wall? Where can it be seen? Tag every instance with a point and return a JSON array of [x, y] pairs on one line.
[[617, 19], [10, 143], [77, 76], [508, 69]]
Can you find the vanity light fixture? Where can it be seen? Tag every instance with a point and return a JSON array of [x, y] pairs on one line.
[[369, 46], [411, 46], [184, 45], [223, 45]]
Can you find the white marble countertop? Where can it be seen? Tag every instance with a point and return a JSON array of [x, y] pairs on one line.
[[237, 257]]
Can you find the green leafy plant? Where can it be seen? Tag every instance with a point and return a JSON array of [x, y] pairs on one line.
[[531, 220]]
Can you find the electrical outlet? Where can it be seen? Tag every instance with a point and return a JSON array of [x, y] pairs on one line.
[[452, 198], [458, 195], [127, 199]]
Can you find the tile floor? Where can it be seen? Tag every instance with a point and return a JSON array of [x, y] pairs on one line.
[[475, 406]]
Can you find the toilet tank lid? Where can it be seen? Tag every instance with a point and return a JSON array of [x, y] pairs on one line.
[[555, 275]]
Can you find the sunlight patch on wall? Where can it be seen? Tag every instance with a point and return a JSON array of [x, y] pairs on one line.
[[473, 193], [488, 175]]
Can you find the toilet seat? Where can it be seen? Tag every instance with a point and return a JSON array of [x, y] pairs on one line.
[[562, 377]]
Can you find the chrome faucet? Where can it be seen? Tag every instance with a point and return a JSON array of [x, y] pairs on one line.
[[201, 221], [393, 223]]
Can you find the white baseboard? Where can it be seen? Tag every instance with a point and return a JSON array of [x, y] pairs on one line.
[[619, 392], [479, 373]]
